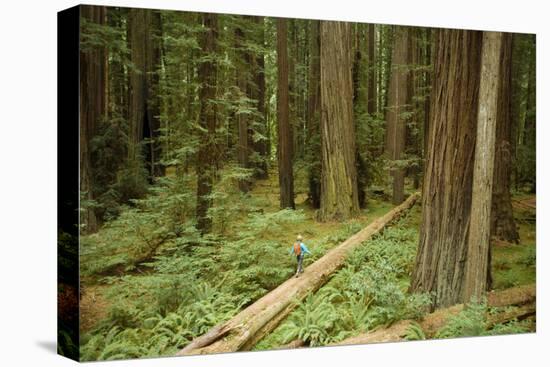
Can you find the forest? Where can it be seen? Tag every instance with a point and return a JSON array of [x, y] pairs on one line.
[[403, 156]]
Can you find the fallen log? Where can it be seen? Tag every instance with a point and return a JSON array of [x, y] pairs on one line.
[[523, 296], [244, 330]]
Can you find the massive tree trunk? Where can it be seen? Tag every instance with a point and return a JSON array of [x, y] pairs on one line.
[[93, 84], [502, 217], [144, 108], [284, 146], [314, 116], [478, 260], [339, 194], [398, 97], [207, 154], [447, 189], [248, 327], [243, 151]]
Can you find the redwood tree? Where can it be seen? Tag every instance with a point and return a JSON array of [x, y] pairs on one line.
[[503, 225], [284, 146], [207, 157], [93, 79], [339, 194], [477, 259], [371, 93], [447, 189], [398, 97]]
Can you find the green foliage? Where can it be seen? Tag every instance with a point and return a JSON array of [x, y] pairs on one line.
[[529, 258], [369, 291], [472, 321], [414, 332], [129, 332], [512, 327], [164, 216], [469, 322], [313, 321]]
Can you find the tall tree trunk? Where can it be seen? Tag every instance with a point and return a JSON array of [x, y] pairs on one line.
[[356, 66], [339, 196], [143, 28], [284, 146], [243, 151], [93, 84], [207, 154], [314, 116], [291, 31], [502, 217], [397, 101], [371, 104], [428, 63], [447, 189], [477, 260], [517, 69], [386, 66]]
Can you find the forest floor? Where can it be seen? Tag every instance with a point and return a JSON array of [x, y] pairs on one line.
[[95, 289], [105, 297], [513, 265]]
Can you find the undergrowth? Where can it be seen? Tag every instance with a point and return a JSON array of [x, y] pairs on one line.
[[165, 284], [370, 291]]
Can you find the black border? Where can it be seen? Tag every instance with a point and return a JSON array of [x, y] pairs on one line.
[[68, 34]]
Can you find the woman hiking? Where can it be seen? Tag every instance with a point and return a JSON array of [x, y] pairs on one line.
[[299, 250]]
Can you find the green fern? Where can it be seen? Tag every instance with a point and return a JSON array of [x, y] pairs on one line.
[[414, 332]]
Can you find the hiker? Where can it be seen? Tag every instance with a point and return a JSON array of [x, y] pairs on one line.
[[299, 249]]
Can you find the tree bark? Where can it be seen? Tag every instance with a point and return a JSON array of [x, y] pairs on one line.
[[447, 189], [248, 327], [428, 63], [284, 146], [503, 225], [93, 84], [477, 260], [207, 156], [398, 97], [339, 194], [371, 103]]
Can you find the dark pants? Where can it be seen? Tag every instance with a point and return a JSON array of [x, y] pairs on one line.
[[300, 259]]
